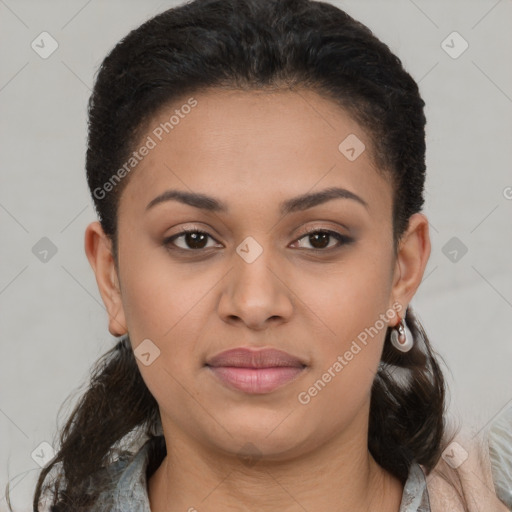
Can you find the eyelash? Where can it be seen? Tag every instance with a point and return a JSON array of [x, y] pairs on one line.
[[342, 239]]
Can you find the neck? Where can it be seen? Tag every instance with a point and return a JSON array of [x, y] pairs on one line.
[[340, 475]]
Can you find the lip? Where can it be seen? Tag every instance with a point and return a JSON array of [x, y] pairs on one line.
[[255, 371]]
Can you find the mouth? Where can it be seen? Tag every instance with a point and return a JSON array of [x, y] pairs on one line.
[[255, 371]]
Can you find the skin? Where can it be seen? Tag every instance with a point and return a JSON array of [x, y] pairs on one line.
[[253, 150]]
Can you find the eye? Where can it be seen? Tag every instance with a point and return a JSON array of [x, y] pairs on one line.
[[319, 239], [194, 239]]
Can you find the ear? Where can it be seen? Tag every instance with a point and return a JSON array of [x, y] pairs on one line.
[[98, 248], [412, 257]]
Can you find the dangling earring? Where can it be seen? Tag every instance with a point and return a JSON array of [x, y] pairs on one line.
[[399, 338]]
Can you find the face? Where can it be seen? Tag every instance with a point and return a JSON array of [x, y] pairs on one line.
[[268, 268]]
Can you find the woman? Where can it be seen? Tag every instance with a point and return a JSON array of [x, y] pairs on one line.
[[258, 168]]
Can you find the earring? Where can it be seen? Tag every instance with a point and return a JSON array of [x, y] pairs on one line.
[[399, 338]]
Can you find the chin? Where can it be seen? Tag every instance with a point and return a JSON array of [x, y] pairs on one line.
[[273, 439]]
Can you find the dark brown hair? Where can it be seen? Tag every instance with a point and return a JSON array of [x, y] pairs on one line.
[[250, 45]]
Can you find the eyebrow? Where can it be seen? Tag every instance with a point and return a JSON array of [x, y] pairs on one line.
[[295, 204]]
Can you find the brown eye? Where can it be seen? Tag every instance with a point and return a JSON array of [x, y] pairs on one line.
[[196, 240], [319, 239], [192, 240]]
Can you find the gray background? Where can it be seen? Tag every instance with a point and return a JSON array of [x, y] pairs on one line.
[[53, 324]]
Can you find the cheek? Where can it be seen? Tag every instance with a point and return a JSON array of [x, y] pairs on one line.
[[350, 296], [352, 304], [172, 304], [167, 305], [160, 301]]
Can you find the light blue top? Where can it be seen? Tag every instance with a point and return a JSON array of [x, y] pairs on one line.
[[129, 492]]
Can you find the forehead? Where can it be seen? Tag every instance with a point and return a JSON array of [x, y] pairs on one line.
[[253, 145]]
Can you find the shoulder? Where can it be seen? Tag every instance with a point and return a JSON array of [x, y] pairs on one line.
[[123, 484], [462, 479], [443, 495], [500, 453]]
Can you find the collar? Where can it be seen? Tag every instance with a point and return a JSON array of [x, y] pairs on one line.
[[130, 492]]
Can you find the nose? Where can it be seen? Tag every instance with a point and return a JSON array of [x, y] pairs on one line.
[[256, 293]]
